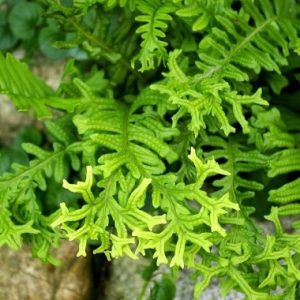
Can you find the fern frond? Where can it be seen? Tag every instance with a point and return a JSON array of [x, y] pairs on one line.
[[202, 12], [156, 15], [264, 46], [284, 161], [124, 208], [26, 90], [84, 4], [10, 233], [287, 193], [238, 159], [19, 193], [171, 197], [95, 215], [134, 140], [204, 98], [138, 146], [281, 138], [269, 131]]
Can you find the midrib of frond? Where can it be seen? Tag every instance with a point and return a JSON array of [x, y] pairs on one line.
[[152, 28], [108, 206], [234, 186], [171, 202], [249, 38], [125, 124], [33, 169]]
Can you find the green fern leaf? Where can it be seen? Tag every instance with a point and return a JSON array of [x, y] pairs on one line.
[[204, 97], [84, 4], [136, 144], [254, 47], [94, 216], [287, 193], [26, 90], [238, 159], [22, 86], [284, 161], [202, 12], [155, 16]]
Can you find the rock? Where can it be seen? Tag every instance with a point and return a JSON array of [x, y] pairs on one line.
[[49, 71], [25, 278], [11, 120], [126, 282]]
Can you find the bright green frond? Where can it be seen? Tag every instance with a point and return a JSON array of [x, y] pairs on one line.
[[24, 88], [156, 15]]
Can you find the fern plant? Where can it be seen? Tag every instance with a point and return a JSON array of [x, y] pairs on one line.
[[170, 139]]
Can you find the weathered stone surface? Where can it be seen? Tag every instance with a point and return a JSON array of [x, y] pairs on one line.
[[126, 282], [10, 120], [25, 278]]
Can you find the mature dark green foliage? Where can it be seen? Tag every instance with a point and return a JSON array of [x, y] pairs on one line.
[[177, 118]]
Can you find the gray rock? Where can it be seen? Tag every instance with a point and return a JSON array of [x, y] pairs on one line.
[[126, 282], [25, 278], [11, 120]]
